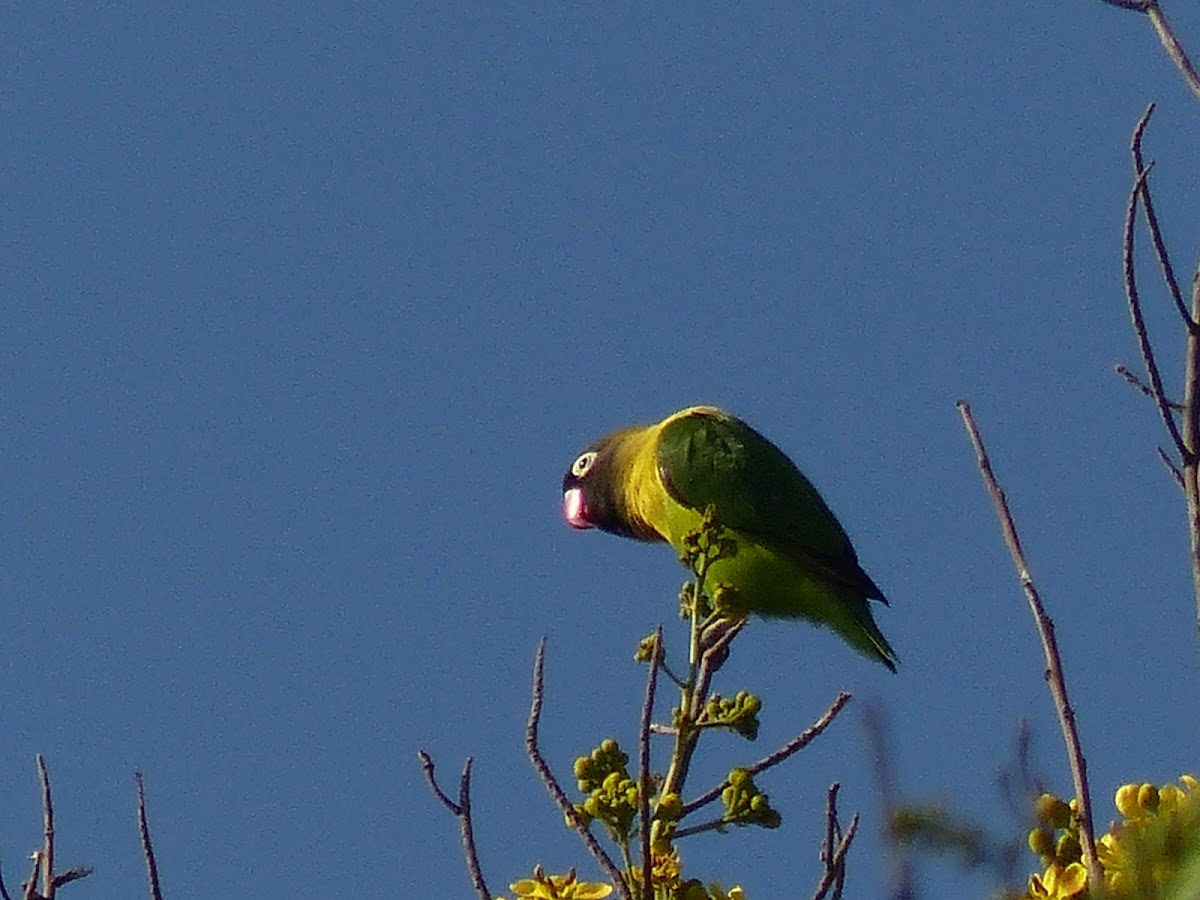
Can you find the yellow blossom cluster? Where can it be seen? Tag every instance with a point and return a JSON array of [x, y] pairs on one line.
[[558, 887], [1152, 851], [568, 887]]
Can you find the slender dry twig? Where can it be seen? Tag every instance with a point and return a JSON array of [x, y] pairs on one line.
[[1187, 442], [1139, 322], [1171, 467], [71, 875], [48, 820], [461, 809], [833, 855], [4, 895], [644, 762], [144, 831], [793, 746], [31, 891], [833, 828], [1171, 44], [1191, 438], [1054, 671], [1142, 388], [1156, 236], [543, 769], [1166, 35]]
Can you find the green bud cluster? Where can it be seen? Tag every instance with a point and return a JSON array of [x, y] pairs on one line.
[[1055, 838], [612, 794], [745, 804], [739, 713], [606, 759], [707, 544]]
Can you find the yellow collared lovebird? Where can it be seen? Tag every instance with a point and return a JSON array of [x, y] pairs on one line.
[[793, 559]]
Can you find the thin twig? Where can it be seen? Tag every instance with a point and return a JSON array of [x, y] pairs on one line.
[[837, 867], [1142, 388], [427, 768], [71, 875], [48, 820], [4, 895], [802, 740], [1171, 467], [1139, 322], [144, 831], [644, 762], [1054, 671], [834, 875], [564, 803], [833, 828], [795, 745], [461, 809], [1166, 35], [31, 891], [1191, 439], [1156, 236], [1187, 444]]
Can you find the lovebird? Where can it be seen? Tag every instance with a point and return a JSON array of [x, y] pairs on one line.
[[793, 560]]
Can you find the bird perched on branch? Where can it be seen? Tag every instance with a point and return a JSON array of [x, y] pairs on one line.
[[793, 558]]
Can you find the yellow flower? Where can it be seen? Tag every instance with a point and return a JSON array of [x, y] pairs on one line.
[[735, 892], [1059, 882], [558, 887], [1147, 852]]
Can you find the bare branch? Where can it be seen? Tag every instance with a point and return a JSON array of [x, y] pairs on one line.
[[543, 769], [71, 875], [1054, 671], [144, 831], [1142, 388], [31, 891], [1191, 439], [834, 848], [793, 746], [1166, 35], [1171, 467], [4, 895], [1160, 247], [461, 809], [1139, 322], [644, 762], [48, 820], [834, 857], [427, 767], [1187, 443]]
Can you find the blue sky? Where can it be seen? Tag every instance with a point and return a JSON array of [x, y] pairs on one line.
[[307, 309]]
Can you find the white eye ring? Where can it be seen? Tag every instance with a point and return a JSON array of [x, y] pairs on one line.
[[584, 464]]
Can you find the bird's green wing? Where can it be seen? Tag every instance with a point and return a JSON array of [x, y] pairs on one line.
[[708, 457]]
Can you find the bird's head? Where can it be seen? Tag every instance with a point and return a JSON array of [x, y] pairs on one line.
[[594, 489]]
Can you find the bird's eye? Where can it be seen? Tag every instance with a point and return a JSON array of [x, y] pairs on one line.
[[584, 464]]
